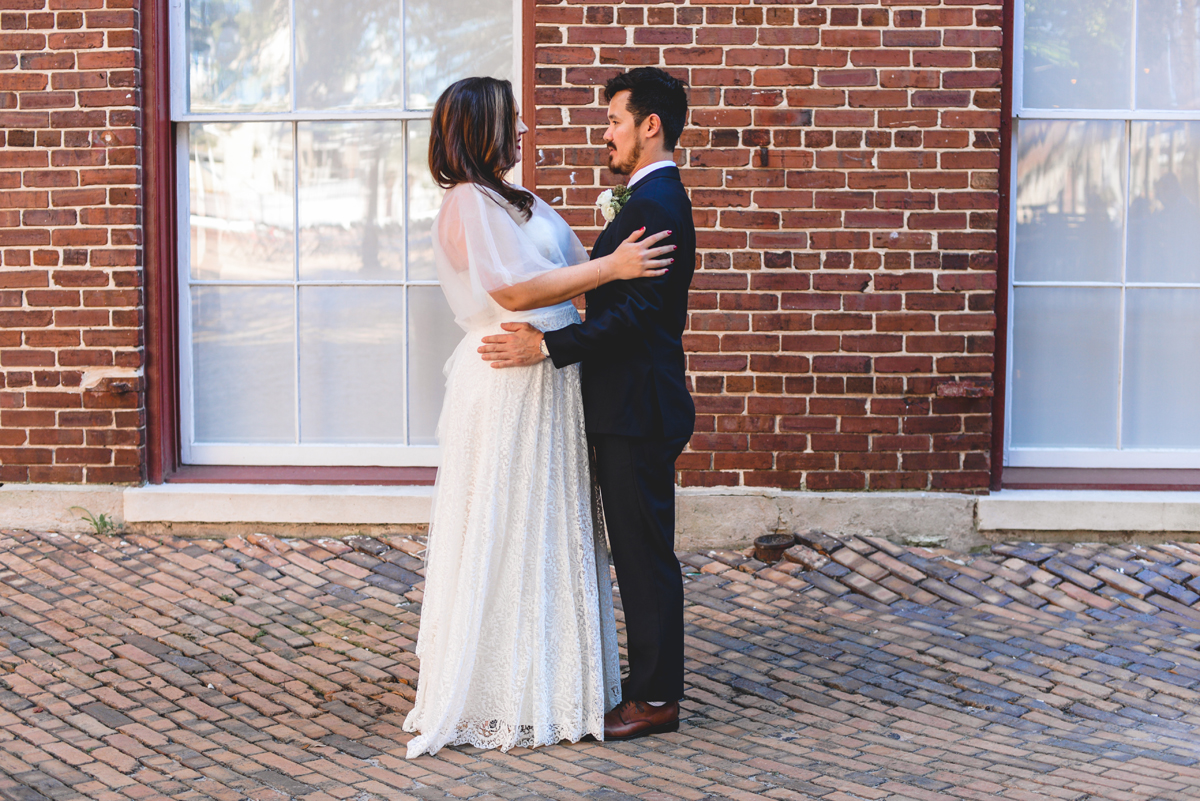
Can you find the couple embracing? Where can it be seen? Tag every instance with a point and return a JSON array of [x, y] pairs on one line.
[[562, 430]]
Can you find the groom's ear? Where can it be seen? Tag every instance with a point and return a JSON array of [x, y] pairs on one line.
[[652, 126]]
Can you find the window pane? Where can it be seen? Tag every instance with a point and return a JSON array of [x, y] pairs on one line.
[[1077, 53], [424, 200], [1161, 382], [1168, 68], [1164, 213], [1070, 200], [449, 41], [1065, 355], [239, 55], [243, 364], [432, 337], [348, 54], [352, 364], [241, 178], [351, 200]]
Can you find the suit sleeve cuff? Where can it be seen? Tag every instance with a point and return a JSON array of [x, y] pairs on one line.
[[558, 344]]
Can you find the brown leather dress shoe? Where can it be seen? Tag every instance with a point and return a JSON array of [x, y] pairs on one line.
[[632, 719]]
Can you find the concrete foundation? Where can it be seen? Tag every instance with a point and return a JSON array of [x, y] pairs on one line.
[[706, 518], [277, 503], [48, 507]]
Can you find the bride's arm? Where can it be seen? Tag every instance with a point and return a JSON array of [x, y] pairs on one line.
[[633, 259]]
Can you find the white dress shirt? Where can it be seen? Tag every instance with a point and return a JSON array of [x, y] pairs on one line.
[[649, 168]]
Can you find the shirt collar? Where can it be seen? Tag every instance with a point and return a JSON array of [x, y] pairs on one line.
[[649, 168]]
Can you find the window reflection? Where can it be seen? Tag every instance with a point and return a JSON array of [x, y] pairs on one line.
[[314, 317], [239, 55], [448, 41], [241, 179], [1077, 53], [1168, 68], [424, 200], [351, 200], [348, 54], [1070, 200], [1164, 210], [1090, 363]]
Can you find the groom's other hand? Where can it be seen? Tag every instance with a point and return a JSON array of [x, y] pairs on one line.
[[521, 347]]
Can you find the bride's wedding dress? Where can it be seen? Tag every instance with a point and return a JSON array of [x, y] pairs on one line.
[[518, 643]]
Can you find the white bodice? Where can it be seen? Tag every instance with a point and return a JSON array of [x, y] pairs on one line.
[[482, 244]]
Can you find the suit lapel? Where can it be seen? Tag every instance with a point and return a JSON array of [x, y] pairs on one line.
[[659, 174], [599, 248]]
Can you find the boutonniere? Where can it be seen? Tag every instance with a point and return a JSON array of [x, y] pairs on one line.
[[611, 201]]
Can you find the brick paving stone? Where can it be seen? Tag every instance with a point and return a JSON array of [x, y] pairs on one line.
[[272, 668]]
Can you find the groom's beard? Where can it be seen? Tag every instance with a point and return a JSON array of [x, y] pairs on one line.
[[625, 166]]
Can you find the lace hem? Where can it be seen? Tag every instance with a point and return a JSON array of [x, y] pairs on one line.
[[517, 622], [505, 736]]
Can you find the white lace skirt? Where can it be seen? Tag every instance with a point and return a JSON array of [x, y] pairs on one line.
[[518, 643]]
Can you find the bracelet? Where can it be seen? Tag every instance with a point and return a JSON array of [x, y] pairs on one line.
[[597, 286]]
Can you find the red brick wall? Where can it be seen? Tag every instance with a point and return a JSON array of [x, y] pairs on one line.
[[843, 164], [70, 298]]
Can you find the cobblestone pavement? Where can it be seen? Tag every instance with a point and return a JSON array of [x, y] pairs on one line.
[[262, 669]]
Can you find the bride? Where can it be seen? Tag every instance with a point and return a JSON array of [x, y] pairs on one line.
[[518, 643]]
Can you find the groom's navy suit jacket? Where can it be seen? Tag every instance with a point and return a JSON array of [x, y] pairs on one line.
[[630, 345]]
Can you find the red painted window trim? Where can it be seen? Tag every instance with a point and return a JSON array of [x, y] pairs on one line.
[[159, 225], [163, 460], [1102, 478], [1000, 357], [528, 98], [253, 474]]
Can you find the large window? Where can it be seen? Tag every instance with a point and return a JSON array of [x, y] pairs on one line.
[[1105, 303], [313, 331]]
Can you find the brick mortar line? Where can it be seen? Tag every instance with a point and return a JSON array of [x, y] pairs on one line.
[[77, 257]]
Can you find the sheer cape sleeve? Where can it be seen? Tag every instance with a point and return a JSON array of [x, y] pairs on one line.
[[480, 246]]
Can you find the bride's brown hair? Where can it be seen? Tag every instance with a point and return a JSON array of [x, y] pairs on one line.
[[474, 138]]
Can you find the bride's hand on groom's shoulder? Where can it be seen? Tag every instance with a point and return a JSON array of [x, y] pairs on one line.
[[639, 258], [521, 347]]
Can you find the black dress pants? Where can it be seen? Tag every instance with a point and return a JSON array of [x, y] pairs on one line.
[[637, 488]]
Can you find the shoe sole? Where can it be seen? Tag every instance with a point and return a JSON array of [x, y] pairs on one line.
[[662, 728]]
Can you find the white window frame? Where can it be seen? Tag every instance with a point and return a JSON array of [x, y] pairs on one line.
[[297, 454], [1128, 458]]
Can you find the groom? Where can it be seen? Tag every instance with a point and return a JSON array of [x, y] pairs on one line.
[[639, 415]]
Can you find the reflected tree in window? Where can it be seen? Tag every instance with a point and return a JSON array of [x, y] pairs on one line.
[[1168, 68], [1070, 200], [445, 42], [348, 54], [239, 54], [1077, 53]]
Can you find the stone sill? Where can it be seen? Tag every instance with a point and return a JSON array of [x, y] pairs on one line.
[[706, 518], [1089, 511]]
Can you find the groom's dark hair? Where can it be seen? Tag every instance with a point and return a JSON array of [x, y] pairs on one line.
[[653, 91]]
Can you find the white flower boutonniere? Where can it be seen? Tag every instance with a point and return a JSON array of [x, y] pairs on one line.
[[611, 201]]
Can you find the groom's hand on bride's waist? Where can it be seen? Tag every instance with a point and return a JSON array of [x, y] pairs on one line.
[[521, 347]]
